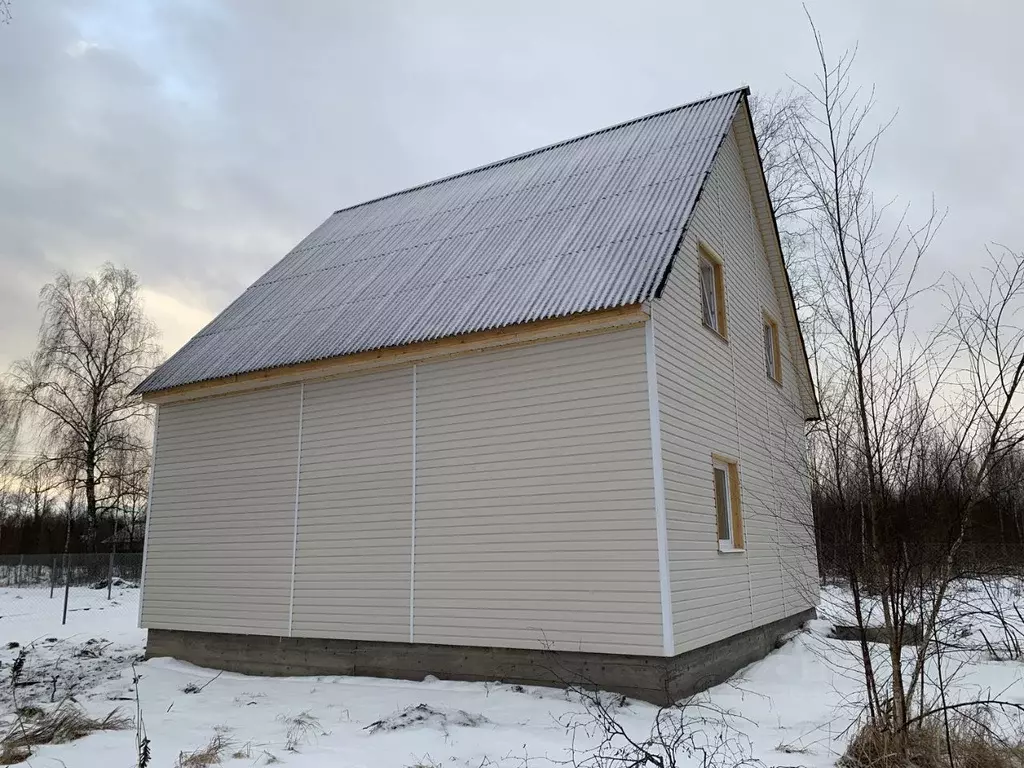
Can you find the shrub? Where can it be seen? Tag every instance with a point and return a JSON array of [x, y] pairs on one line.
[[973, 743]]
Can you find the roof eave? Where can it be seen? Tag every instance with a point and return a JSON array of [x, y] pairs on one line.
[[572, 325]]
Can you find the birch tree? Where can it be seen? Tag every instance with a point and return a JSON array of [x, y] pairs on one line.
[[95, 346]]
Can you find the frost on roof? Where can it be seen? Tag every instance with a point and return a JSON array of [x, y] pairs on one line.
[[587, 224]]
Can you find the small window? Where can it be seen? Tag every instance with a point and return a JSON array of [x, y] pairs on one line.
[[727, 506], [712, 292], [772, 360]]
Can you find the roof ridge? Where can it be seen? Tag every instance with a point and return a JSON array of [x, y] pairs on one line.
[[745, 89]]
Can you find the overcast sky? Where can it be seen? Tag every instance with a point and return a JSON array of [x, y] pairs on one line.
[[196, 142]]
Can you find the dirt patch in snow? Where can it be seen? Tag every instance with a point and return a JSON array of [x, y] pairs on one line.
[[426, 716]]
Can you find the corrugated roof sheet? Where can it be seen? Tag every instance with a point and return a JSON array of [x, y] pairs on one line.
[[586, 224]]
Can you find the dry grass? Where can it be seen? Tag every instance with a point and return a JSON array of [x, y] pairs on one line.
[[973, 744], [12, 755], [303, 728], [792, 749], [65, 723], [30, 712], [211, 754], [244, 752]]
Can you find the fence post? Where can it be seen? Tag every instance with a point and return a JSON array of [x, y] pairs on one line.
[[110, 573], [110, 568], [53, 576], [67, 550], [67, 589]]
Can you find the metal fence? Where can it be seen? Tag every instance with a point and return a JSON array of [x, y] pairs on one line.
[[77, 570], [66, 587]]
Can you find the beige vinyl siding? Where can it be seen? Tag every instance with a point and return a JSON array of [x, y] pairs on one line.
[[534, 499], [787, 408], [534, 509], [219, 547], [355, 504], [715, 397]]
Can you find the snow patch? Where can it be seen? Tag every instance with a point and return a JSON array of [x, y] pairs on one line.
[[794, 707]]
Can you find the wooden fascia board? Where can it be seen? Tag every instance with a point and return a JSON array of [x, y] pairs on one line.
[[515, 335]]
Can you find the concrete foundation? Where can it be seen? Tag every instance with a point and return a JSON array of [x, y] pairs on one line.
[[656, 679]]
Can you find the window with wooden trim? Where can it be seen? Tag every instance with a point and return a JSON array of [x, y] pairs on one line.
[[727, 505], [712, 291], [772, 358]]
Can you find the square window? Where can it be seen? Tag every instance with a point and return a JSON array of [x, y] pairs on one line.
[[712, 293], [727, 506], [772, 359]]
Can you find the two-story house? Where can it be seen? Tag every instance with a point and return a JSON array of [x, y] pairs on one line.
[[546, 414]]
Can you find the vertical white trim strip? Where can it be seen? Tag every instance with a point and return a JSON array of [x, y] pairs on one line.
[[295, 524], [149, 510], [412, 542], [660, 516]]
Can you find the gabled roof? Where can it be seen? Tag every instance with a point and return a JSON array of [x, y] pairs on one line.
[[586, 224]]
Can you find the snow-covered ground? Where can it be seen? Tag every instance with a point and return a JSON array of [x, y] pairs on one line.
[[791, 709]]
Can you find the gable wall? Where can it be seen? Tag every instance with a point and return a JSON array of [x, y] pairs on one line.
[[715, 397]]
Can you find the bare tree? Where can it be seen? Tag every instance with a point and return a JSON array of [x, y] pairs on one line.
[[9, 424], [28, 503], [38, 484], [865, 278], [95, 345], [779, 119], [129, 491], [915, 425], [778, 124]]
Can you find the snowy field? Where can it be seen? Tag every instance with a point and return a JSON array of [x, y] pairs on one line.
[[791, 709]]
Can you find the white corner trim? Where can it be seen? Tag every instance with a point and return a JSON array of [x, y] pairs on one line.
[[660, 516], [149, 510], [295, 523], [412, 542]]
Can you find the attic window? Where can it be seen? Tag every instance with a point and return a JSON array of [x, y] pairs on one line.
[[712, 291], [772, 359]]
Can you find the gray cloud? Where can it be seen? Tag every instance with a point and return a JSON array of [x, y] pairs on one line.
[[197, 142]]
